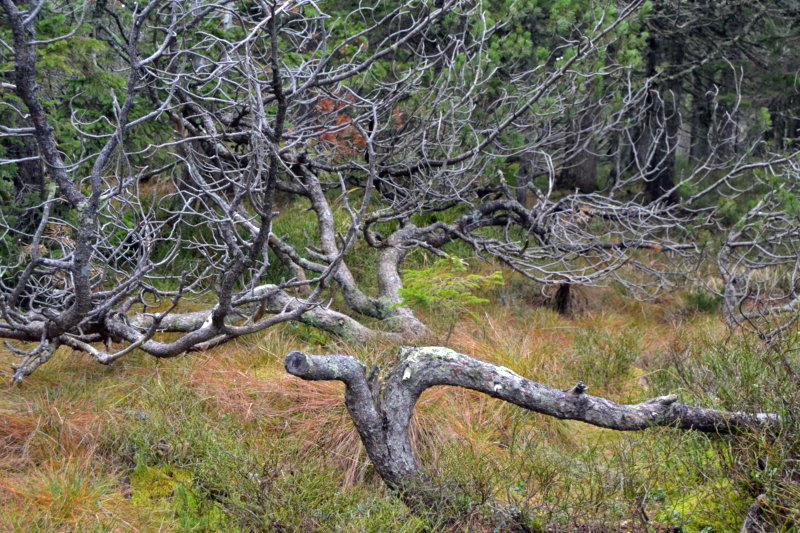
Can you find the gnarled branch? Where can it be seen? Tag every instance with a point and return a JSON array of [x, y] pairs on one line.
[[382, 417]]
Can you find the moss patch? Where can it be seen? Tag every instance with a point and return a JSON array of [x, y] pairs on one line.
[[713, 507], [170, 488]]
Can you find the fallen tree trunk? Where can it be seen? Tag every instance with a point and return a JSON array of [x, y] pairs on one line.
[[271, 299], [382, 412]]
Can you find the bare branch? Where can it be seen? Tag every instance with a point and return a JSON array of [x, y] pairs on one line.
[[384, 423]]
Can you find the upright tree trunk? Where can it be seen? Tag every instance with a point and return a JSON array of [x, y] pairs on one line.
[[29, 178], [727, 129], [581, 171], [700, 120], [525, 175], [562, 301], [662, 123]]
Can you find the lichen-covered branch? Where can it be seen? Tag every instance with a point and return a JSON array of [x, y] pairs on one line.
[[382, 412]]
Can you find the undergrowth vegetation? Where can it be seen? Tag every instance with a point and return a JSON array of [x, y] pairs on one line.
[[599, 196], [227, 441]]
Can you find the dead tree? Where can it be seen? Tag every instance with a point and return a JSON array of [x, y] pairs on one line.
[[382, 411], [759, 259], [79, 283], [384, 128]]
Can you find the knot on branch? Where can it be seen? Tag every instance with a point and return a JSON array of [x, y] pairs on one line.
[[579, 388], [664, 400]]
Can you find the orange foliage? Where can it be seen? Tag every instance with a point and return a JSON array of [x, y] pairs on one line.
[[345, 141], [398, 118]]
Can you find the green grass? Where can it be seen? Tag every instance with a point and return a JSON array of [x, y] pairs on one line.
[[227, 441]]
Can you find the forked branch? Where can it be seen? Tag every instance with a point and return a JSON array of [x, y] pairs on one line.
[[382, 413]]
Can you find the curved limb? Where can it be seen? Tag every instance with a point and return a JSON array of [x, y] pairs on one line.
[[382, 413]]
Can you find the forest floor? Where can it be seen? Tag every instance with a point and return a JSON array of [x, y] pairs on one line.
[[227, 441]]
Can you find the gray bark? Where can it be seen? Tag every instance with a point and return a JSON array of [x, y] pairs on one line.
[[382, 413], [272, 300]]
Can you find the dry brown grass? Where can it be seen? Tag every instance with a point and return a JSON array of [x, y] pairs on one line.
[[526, 344], [31, 431], [68, 493], [315, 415], [17, 431], [52, 467]]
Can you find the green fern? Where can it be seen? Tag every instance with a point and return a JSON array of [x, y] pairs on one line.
[[446, 288]]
